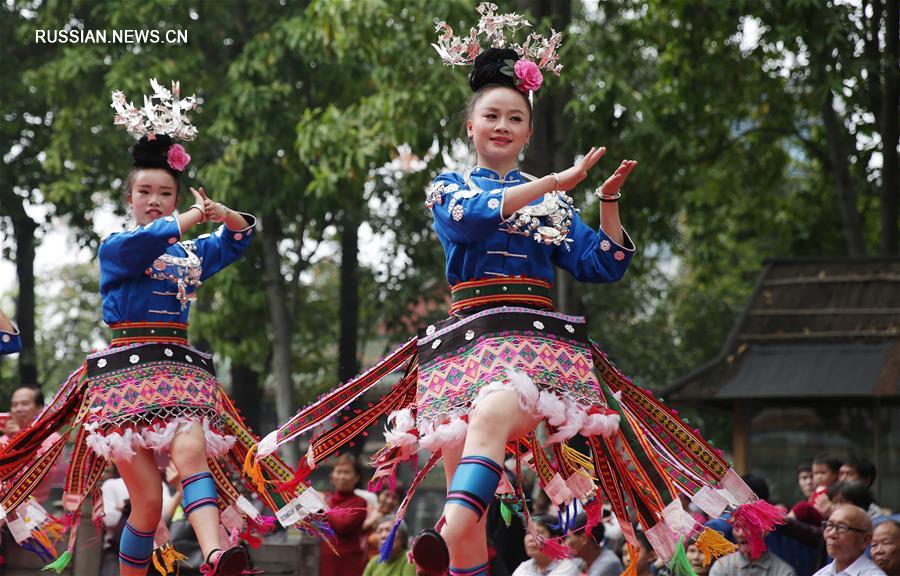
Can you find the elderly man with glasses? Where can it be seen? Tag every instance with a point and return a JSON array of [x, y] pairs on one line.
[[848, 532]]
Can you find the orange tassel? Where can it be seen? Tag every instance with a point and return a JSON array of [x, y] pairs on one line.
[[253, 470], [713, 545], [631, 569], [166, 560]]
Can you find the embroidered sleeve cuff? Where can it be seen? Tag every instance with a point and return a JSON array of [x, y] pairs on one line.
[[502, 200], [14, 332], [607, 243], [243, 232]]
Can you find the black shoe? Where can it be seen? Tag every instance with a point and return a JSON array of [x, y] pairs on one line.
[[231, 562], [430, 553]]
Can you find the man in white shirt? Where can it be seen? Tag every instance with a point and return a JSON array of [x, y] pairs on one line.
[[848, 532]]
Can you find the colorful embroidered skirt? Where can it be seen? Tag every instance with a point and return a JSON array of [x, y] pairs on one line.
[[641, 456], [543, 356], [141, 393]]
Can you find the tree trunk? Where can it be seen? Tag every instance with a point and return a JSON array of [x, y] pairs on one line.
[[549, 151], [246, 392], [839, 158], [282, 326], [23, 229], [890, 187], [348, 363]]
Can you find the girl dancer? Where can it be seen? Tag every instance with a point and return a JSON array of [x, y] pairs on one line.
[[151, 391]]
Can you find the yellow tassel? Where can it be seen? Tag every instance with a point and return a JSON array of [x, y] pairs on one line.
[[713, 545], [166, 559], [578, 460], [55, 530], [253, 470]]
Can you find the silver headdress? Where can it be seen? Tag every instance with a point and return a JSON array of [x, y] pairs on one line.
[[165, 116], [461, 51]]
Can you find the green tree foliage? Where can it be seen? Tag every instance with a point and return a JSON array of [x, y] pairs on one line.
[[758, 127]]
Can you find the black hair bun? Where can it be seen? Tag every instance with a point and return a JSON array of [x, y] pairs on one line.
[[153, 153], [493, 66]]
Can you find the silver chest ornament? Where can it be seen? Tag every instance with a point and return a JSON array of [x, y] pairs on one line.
[[183, 271], [548, 222]]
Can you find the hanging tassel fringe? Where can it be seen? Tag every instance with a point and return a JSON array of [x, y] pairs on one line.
[[594, 512], [713, 545], [262, 524], [60, 563], [506, 513], [631, 569], [387, 548], [679, 564], [253, 470], [755, 520], [300, 475], [576, 460], [167, 560], [554, 548], [247, 536]]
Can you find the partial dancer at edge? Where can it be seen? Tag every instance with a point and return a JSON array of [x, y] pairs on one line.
[[478, 384], [10, 343], [151, 391]]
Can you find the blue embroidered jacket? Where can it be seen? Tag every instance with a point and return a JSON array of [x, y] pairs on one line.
[[468, 223], [148, 275], [9, 342]]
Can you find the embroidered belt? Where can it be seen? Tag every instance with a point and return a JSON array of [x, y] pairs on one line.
[[513, 290], [138, 332]]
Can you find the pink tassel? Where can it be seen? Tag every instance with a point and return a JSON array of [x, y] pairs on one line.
[[235, 536], [264, 524], [594, 512], [69, 520], [554, 548], [755, 519]]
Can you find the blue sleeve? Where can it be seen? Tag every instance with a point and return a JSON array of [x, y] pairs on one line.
[[461, 215], [222, 247], [128, 254], [9, 343], [593, 256]]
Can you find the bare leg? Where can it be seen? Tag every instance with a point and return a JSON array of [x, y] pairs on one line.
[[144, 484], [188, 452], [497, 419], [451, 455]]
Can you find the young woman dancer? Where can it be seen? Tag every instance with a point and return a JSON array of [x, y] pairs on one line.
[[479, 383]]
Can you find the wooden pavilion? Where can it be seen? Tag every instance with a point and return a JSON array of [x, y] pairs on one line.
[[811, 366]]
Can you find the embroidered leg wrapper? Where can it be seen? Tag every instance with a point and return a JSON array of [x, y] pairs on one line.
[[135, 547], [480, 570], [199, 491], [474, 484]]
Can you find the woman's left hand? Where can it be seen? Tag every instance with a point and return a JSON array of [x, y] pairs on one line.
[[613, 184]]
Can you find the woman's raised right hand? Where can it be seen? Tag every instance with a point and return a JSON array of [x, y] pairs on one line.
[[571, 177]]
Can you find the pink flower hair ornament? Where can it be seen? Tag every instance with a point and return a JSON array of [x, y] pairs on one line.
[[528, 76], [177, 157]]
